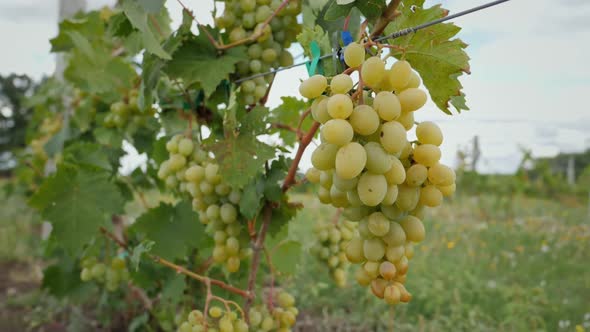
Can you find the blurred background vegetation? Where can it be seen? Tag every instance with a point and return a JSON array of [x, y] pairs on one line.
[[510, 252]]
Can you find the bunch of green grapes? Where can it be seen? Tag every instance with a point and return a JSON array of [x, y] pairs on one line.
[[192, 170], [126, 112], [332, 239], [111, 274], [366, 164], [218, 320], [280, 318], [48, 128], [241, 19]]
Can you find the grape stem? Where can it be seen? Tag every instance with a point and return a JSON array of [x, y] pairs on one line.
[[180, 269], [388, 15], [272, 280], [257, 247], [285, 127], [303, 143], [257, 34]]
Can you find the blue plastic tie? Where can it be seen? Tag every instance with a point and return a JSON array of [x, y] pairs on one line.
[[312, 65], [346, 37]]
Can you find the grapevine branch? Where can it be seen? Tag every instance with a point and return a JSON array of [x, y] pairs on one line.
[[180, 269], [388, 15], [304, 142]]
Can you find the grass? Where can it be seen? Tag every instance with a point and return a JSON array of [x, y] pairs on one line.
[[477, 270]]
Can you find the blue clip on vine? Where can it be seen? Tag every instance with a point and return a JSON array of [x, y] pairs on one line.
[[312, 65]]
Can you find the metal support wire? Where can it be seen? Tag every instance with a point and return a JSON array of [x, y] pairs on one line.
[[394, 35]]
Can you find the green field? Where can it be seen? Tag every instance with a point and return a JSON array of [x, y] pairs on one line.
[[479, 269]]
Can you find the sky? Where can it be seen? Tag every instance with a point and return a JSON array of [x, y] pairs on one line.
[[529, 82]]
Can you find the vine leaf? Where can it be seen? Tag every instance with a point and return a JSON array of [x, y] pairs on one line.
[[197, 61], [438, 58], [77, 202], [289, 112], [138, 251], [138, 16], [285, 257], [173, 229], [241, 157], [371, 9], [318, 35]]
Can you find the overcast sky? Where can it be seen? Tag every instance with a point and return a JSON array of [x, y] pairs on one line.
[[529, 85]]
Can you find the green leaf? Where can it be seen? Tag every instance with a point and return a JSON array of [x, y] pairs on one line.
[[90, 26], [433, 52], [241, 158], [77, 202], [62, 279], [318, 35], [173, 289], [289, 112], [254, 121], [152, 6], [274, 179], [336, 11], [174, 229], [286, 257], [197, 61], [138, 251], [138, 17], [109, 137], [90, 155], [371, 9], [251, 201]]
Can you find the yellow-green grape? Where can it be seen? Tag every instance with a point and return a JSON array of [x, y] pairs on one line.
[[387, 270], [313, 175], [392, 211], [372, 269], [378, 287], [313, 87], [406, 120], [392, 294], [344, 184], [118, 263], [416, 175], [373, 249], [387, 105], [215, 312], [194, 173], [427, 154], [362, 277], [324, 156], [397, 173], [337, 131], [447, 190], [86, 274], [413, 228], [441, 175], [354, 250], [393, 137], [364, 120], [372, 188], [350, 160], [319, 109], [430, 196], [378, 161], [354, 54], [407, 197], [429, 133], [412, 99], [341, 83], [414, 81], [373, 71], [395, 236], [400, 74], [339, 106], [391, 195], [185, 146], [394, 254], [378, 224]]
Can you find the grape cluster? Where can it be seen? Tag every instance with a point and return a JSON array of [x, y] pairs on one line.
[[191, 170], [217, 320], [241, 19], [366, 164], [112, 275], [48, 128], [125, 112], [280, 318], [332, 239]]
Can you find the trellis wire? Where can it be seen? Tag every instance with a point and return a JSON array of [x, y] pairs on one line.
[[394, 35]]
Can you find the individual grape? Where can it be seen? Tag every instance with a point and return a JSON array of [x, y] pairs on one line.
[[393, 136], [396, 174], [350, 160], [413, 228], [319, 109], [391, 195], [324, 156], [373, 249], [313, 87], [378, 161], [362, 277], [387, 105], [185, 146], [395, 236], [354, 54], [364, 120], [427, 154], [339, 106], [429, 133], [372, 188], [407, 197], [269, 55], [373, 71], [414, 81], [447, 190], [344, 184], [378, 287], [394, 254], [337, 131], [285, 59], [392, 294], [340, 84], [400, 74], [237, 34], [430, 196], [441, 175], [412, 99], [378, 224], [416, 175], [248, 5], [406, 120], [354, 250], [387, 270], [313, 175]]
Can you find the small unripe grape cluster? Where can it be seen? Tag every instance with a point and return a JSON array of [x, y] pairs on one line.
[[191, 170], [110, 274], [217, 320], [281, 318], [125, 112], [332, 239], [241, 19], [366, 165], [48, 128]]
